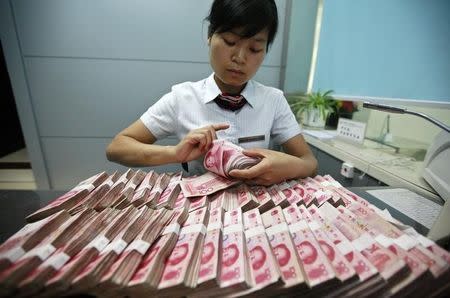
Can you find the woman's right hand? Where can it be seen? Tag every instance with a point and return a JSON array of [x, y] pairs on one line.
[[197, 142]]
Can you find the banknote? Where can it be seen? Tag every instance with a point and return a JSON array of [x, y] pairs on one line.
[[225, 156]]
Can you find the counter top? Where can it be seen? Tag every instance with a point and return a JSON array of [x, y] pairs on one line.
[[380, 162], [15, 205]]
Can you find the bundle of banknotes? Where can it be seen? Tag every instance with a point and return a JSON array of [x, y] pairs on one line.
[[225, 156], [161, 234]]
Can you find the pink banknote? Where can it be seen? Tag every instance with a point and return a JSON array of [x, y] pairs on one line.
[[225, 156]]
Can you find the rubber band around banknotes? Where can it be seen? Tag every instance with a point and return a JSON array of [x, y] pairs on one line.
[[344, 247], [254, 232], [57, 261], [406, 242], [314, 225], [138, 245], [232, 229], [298, 226], [42, 252], [214, 226], [117, 246], [88, 187], [281, 227], [363, 242], [172, 228], [99, 243], [197, 228], [13, 254]]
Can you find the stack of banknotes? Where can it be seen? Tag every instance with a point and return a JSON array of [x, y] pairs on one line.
[[225, 156], [165, 235]]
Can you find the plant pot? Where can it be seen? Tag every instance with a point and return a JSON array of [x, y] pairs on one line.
[[313, 118], [333, 118]]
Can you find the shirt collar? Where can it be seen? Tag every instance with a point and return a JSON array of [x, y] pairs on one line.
[[212, 90]]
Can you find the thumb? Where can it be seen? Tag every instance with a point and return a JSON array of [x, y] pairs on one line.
[[220, 126], [256, 152], [249, 173]]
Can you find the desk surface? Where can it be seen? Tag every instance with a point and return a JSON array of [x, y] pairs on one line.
[[391, 169], [15, 205]]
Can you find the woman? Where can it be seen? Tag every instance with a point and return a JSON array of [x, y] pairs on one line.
[[226, 105]]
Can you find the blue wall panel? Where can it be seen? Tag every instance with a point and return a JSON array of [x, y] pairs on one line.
[[393, 49]]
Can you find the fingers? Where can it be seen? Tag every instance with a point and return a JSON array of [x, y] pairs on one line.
[[259, 181], [254, 152], [201, 140], [203, 137], [216, 127], [209, 132], [210, 135], [249, 173], [220, 126]]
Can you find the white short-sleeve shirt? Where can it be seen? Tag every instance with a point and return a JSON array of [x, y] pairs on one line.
[[190, 105]]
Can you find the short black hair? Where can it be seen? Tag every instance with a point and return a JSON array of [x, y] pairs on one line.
[[252, 15]]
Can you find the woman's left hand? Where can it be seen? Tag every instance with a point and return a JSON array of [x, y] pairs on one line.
[[274, 167]]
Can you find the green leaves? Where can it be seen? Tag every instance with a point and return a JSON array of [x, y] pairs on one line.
[[324, 102]]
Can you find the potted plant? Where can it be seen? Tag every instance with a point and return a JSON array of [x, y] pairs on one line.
[[313, 108]]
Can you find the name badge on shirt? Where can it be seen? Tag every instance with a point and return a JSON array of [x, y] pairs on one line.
[[251, 139]]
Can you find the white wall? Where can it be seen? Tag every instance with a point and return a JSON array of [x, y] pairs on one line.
[[300, 46]]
